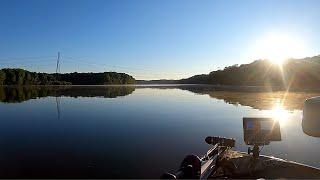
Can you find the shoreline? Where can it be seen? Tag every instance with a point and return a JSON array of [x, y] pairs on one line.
[[196, 86]]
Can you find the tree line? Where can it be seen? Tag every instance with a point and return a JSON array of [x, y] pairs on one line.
[[23, 77], [97, 78], [293, 73]]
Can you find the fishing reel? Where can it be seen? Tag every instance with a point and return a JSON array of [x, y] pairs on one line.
[[194, 167], [221, 141]]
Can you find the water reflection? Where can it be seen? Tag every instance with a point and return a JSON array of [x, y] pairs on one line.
[[257, 98], [264, 100], [95, 136], [278, 102], [24, 93]]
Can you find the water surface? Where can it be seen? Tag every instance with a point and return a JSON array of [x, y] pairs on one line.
[[135, 132]]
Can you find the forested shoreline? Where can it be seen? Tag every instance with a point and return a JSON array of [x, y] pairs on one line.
[[293, 73], [22, 77]]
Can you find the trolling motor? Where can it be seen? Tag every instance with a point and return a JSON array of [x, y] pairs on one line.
[[194, 167], [260, 132], [311, 117]]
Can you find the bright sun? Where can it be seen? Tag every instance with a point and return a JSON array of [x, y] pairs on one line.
[[279, 47]]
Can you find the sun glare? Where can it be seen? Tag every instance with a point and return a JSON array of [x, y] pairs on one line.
[[279, 47]]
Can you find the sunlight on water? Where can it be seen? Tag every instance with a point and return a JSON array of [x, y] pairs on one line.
[[279, 113]]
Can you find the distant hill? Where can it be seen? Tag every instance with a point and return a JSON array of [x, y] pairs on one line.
[[294, 73], [23, 77]]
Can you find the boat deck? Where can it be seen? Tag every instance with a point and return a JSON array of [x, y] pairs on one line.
[[241, 165]]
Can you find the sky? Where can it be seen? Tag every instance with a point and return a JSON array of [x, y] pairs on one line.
[[153, 39]]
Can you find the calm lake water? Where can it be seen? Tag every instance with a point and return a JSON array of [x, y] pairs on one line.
[[135, 132]]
